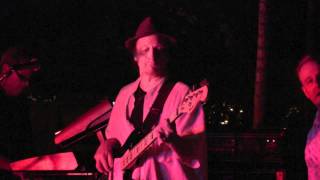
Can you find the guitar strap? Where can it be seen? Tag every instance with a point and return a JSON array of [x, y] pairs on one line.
[[151, 119], [157, 107]]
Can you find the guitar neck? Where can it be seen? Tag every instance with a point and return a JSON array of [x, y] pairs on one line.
[[132, 154]]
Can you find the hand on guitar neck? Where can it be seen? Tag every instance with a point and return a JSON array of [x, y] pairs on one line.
[[166, 131]]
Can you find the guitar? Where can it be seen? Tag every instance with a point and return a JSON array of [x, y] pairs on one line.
[[127, 160]]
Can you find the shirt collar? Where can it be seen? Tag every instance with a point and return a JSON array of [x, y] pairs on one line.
[[152, 90]]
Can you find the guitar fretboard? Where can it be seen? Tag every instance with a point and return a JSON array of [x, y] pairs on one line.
[[131, 155]]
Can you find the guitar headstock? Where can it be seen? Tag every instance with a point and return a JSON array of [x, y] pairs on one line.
[[192, 99]]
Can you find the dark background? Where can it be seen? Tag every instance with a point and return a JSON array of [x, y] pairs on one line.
[[81, 43], [80, 46]]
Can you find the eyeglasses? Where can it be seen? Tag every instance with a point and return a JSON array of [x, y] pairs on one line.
[[22, 77], [157, 51]]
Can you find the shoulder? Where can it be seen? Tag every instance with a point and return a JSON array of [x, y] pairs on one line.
[[129, 88], [181, 87], [179, 90]]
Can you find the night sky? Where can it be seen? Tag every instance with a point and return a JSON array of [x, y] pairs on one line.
[[80, 46]]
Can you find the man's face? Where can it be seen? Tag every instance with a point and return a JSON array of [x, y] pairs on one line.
[[309, 76], [16, 82], [151, 56]]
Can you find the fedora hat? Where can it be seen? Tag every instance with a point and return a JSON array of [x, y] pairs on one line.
[[147, 27]]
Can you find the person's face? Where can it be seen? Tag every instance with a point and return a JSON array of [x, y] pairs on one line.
[[16, 82], [151, 56], [309, 76]]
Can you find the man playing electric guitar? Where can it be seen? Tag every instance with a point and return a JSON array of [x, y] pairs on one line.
[[147, 136]]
